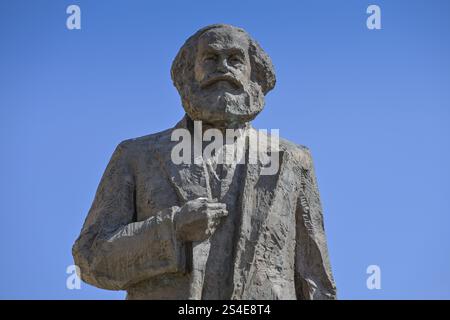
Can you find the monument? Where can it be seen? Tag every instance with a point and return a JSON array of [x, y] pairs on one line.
[[209, 229]]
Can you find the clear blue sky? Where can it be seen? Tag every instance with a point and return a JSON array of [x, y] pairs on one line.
[[373, 106]]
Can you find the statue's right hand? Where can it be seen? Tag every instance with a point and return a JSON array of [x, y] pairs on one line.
[[198, 219]]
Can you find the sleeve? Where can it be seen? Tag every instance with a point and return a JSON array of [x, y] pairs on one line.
[[114, 251], [313, 277]]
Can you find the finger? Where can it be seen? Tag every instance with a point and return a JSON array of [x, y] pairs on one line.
[[218, 213], [216, 205], [202, 200]]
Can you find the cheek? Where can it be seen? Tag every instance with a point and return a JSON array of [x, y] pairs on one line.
[[199, 73], [201, 70], [245, 71]]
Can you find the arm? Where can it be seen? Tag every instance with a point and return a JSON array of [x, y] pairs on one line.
[[313, 278], [114, 251]]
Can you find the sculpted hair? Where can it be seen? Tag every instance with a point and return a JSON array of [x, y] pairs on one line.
[[182, 71]]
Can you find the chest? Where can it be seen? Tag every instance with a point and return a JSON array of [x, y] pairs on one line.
[[160, 185]]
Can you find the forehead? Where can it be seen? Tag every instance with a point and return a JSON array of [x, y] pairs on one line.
[[223, 39]]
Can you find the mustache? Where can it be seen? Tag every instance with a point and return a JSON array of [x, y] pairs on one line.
[[223, 77]]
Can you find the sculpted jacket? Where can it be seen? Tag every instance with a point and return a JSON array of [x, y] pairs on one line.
[[128, 240]]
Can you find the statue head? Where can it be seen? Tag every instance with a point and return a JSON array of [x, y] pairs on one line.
[[222, 76]]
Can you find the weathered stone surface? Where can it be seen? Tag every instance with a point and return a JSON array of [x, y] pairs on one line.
[[209, 230]]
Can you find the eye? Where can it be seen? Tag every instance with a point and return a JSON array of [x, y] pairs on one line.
[[210, 57], [235, 60]]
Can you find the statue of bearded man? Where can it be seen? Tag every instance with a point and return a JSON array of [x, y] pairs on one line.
[[208, 229]]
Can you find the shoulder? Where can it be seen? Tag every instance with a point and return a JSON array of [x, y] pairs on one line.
[[147, 142], [297, 152], [130, 151]]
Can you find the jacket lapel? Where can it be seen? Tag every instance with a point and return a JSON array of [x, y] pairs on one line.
[[256, 204], [189, 181]]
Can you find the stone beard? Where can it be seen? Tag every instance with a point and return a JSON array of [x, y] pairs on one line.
[[161, 229], [223, 105]]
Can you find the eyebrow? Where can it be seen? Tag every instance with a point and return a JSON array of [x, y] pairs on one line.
[[233, 50]]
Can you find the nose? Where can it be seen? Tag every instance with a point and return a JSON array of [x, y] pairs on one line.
[[222, 65]]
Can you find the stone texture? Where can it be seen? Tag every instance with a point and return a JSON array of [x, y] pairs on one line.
[[208, 231]]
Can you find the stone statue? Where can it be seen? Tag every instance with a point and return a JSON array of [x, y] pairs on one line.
[[207, 229]]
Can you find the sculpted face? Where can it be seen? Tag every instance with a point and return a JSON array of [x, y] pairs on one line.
[[222, 93], [222, 62]]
